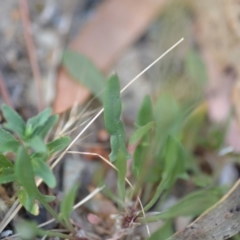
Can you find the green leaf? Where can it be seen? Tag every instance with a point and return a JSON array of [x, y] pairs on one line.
[[140, 132], [84, 71], [27, 202], [42, 170], [193, 204], [114, 125], [5, 136], [5, 162], [163, 232], [58, 144], [37, 121], [67, 203], [139, 156], [37, 144], [7, 175], [145, 113], [6, 170], [195, 68], [25, 175], [44, 130], [174, 168], [9, 146], [14, 122], [202, 180]]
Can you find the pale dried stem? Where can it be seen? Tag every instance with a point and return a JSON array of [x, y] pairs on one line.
[[4, 92], [31, 50]]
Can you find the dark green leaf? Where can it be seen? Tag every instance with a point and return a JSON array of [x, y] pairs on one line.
[[14, 122], [140, 132], [5, 136], [84, 71], [9, 146], [42, 170], [58, 144], [37, 121]]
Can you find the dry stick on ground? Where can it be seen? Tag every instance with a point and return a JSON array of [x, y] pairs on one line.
[[4, 92], [13, 211], [31, 51]]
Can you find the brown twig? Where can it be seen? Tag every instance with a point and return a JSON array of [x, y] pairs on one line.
[[4, 92], [31, 50]]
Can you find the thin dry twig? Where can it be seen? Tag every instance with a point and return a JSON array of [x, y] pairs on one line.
[[31, 50], [110, 164], [4, 92]]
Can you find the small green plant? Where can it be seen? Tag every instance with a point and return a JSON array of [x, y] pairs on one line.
[[30, 160], [159, 158]]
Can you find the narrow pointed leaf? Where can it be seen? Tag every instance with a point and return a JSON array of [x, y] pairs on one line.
[[140, 132], [174, 167], [67, 203], [58, 144], [44, 130], [145, 114]]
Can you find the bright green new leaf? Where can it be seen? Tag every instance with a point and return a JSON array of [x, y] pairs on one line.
[[58, 144], [37, 144], [5, 136], [163, 232], [84, 71], [26, 201], [44, 130], [41, 169], [174, 168], [37, 121], [145, 113], [140, 132], [9, 146], [14, 122]]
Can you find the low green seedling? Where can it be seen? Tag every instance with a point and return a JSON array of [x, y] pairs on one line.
[[159, 158], [31, 152]]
